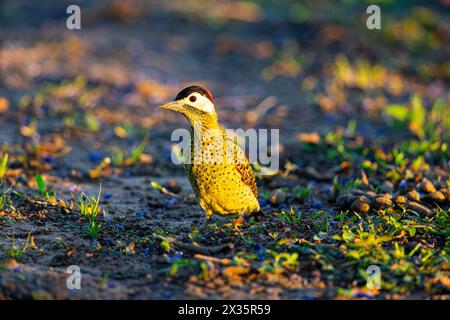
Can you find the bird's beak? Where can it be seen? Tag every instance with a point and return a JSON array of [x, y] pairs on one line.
[[173, 105]]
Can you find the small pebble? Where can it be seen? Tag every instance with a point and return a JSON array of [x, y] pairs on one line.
[[170, 202], [95, 156], [49, 159], [382, 202], [446, 193], [172, 186], [119, 228], [387, 187], [403, 184], [277, 197], [358, 192], [346, 199], [360, 206], [140, 214], [190, 198], [21, 181], [11, 264], [437, 196], [400, 200], [371, 194], [387, 196], [317, 204], [417, 207], [427, 186], [413, 195]]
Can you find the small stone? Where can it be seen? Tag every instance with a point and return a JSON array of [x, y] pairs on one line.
[[190, 198], [382, 203], [371, 195], [317, 204], [400, 200], [387, 187], [277, 197], [172, 186], [387, 196], [437, 196], [4, 105], [403, 184], [446, 193], [360, 206], [417, 207], [427, 186], [146, 158], [12, 264], [344, 200], [312, 138], [358, 192], [413, 195]]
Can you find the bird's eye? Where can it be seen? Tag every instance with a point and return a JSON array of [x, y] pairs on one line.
[[192, 98]]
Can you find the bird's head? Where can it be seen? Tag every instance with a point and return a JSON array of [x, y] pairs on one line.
[[195, 103]]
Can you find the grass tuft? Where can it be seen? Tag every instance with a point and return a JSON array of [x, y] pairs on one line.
[[89, 207], [3, 166]]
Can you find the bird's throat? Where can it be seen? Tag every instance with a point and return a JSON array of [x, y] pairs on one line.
[[203, 124]]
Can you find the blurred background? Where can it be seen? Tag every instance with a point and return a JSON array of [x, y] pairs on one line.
[[297, 65]]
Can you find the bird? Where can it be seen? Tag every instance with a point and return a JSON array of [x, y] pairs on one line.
[[218, 169]]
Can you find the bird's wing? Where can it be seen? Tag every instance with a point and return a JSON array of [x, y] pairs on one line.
[[241, 163]]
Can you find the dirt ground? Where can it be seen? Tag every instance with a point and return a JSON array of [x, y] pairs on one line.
[[69, 100]]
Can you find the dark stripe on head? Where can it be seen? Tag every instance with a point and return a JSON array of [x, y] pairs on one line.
[[189, 90]]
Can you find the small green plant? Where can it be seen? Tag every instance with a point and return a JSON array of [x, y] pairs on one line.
[[302, 194], [44, 190], [163, 189], [91, 122], [194, 235], [165, 243], [89, 207], [290, 217], [125, 158], [351, 127], [3, 166], [424, 123], [399, 157], [15, 252], [3, 201], [93, 229], [279, 262], [205, 273], [321, 225], [137, 151], [181, 263]]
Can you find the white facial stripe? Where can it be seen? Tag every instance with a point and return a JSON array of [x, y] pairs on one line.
[[202, 102]]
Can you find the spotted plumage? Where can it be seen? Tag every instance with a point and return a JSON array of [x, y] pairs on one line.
[[217, 168]]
